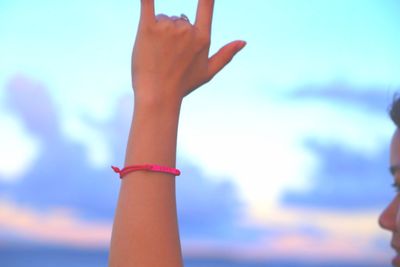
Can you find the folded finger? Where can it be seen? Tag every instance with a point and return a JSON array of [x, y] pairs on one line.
[[162, 17]]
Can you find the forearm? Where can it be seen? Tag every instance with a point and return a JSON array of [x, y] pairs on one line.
[[170, 59], [145, 231]]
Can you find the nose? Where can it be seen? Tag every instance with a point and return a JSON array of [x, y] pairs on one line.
[[385, 223], [387, 219]]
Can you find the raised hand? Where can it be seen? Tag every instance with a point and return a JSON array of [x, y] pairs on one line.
[[171, 56], [170, 60]]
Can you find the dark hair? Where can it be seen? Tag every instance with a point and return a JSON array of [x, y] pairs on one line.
[[394, 110]]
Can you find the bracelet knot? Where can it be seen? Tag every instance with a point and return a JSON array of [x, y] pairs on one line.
[[116, 169]]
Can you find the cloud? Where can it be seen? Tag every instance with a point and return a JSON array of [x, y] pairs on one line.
[[372, 98], [345, 179], [75, 200], [15, 162], [308, 234], [210, 208], [60, 225], [337, 236], [62, 176], [30, 100]]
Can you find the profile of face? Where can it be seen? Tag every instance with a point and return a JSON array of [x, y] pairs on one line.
[[388, 218]]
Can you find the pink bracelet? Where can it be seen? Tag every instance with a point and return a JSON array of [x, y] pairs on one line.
[[145, 167]]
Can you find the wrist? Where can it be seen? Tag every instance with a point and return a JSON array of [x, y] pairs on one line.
[[149, 98], [158, 106]]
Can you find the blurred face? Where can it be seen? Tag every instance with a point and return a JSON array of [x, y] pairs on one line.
[[388, 218]]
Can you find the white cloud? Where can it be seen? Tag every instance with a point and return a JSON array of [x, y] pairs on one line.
[[259, 142], [98, 150], [18, 149]]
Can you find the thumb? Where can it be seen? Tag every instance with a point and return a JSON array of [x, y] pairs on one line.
[[220, 59]]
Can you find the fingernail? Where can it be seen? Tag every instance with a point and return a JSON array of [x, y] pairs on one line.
[[241, 44]]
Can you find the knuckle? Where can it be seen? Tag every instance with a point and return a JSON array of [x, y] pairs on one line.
[[183, 29], [147, 29], [164, 25], [202, 43], [204, 39], [186, 27]]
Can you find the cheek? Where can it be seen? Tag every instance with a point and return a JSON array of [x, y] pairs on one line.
[[394, 211]]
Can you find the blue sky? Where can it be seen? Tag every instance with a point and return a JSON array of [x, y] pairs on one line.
[[291, 136]]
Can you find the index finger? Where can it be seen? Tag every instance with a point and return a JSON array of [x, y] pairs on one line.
[[147, 11], [205, 9]]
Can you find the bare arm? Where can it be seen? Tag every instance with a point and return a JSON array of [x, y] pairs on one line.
[[170, 60]]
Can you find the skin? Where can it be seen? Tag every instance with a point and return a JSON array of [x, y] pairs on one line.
[[170, 59], [387, 219]]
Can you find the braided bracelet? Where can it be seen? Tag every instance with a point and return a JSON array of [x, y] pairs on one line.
[[146, 167]]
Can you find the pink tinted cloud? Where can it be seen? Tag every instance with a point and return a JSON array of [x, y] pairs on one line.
[[57, 226], [306, 235], [63, 226], [291, 247]]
